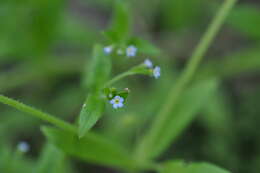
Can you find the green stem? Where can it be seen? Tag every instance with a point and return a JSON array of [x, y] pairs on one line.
[[145, 146], [119, 77], [36, 113], [139, 69]]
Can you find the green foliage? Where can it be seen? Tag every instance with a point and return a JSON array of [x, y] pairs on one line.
[[242, 62], [91, 148], [57, 33], [90, 112], [52, 160], [179, 14], [186, 109], [120, 26], [97, 75], [144, 46], [37, 22], [245, 19], [98, 71], [182, 167]]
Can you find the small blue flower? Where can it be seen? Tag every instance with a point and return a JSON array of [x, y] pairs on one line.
[[131, 51], [157, 72], [108, 49], [117, 102], [148, 63], [23, 146]]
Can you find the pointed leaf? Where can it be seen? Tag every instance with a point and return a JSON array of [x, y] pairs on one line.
[[95, 79], [90, 113]]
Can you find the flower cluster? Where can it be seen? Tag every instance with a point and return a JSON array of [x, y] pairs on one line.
[[117, 99], [156, 70], [130, 51]]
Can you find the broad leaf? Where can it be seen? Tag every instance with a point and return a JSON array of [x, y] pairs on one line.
[[181, 167], [91, 148]]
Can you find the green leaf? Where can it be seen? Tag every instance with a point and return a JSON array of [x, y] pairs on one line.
[[181, 167], [90, 113], [91, 148], [45, 23], [95, 79], [144, 46], [245, 18], [193, 100], [51, 160], [120, 26], [98, 71]]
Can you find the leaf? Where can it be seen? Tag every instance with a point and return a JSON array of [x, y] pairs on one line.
[[144, 46], [245, 18], [120, 26], [90, 113], [98, 71], [97, 75], [91, 148], [45, 23], [51, 160], [193, 100], [181, 167]]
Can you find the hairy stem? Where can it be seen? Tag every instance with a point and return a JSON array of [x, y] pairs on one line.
[[37, 113], [144, 149]]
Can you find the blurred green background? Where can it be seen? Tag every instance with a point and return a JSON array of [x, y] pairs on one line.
[[45, 47]]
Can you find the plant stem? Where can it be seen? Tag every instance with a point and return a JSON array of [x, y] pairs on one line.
[[134, 70], [119, 77], [37, 113], [146, 145]]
